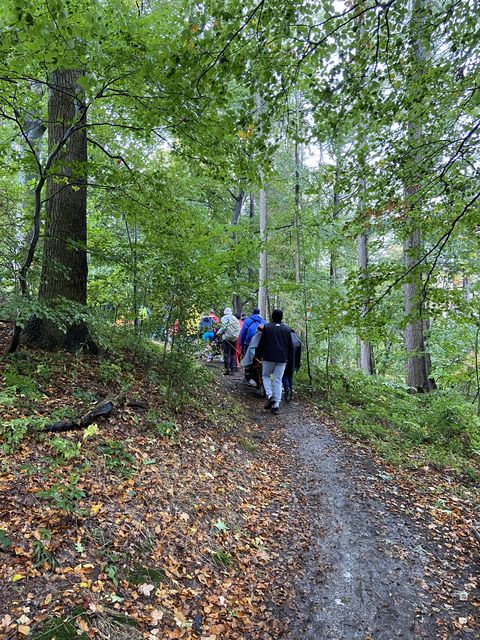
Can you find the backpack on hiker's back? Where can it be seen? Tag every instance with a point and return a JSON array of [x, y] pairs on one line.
[[230, 329]]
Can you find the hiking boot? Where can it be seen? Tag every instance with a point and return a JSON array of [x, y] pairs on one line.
[[226, 372], [274, 411], [269, 404], [288, 395]]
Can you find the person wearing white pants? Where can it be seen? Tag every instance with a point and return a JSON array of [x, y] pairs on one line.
[[274, 347], [275, 370]]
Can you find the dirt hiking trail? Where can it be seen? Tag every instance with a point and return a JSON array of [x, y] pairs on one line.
[[365, 569]]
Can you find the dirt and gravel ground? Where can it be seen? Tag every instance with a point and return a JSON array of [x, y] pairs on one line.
[[368, 571]]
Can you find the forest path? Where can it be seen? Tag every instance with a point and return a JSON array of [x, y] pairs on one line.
[[363, 569]]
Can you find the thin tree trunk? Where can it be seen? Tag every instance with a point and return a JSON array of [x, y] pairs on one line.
[[251, 214], [477, 372], [365, 360], [262, 205], [33, 133], [417, 366], [236, 213], [333, 359], [467, 292], [298, 163]]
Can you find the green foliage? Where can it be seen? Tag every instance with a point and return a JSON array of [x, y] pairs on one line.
[[439, 427], [13, 431], [21, 384], [65, 448], [223, 558], [116, 457], [65, 495], [55, 628], [5, 542], [140, 575], [248, 445], [109, 372], [111, 572], [164, 428], [42, 555]]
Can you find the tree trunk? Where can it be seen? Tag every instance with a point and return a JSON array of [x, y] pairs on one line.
[[365, 357], [298, 164], [365, 360], [64, 268], [417, 366], [262, 272], [332, 357], [262, 205], [236, 213]]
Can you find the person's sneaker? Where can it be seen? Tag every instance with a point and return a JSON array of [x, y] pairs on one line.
[[226, 372], [274, 411], [269, 404], [288, 395]]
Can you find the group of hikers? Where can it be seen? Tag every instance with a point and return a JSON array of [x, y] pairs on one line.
[[270, 352]]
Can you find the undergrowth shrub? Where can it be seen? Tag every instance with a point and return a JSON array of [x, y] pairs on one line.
[[439, 427]]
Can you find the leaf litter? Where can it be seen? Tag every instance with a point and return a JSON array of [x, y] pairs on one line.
[[120, 532]]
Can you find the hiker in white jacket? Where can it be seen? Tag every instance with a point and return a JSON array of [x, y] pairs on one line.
[[229, 330]]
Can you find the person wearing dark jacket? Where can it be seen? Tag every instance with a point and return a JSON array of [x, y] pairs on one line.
[[275, 347], [293, 364], [249, 328]]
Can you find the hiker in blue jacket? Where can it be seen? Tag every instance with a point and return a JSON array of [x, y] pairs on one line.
[[250, 327]]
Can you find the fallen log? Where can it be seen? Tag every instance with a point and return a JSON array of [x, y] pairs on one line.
[[137, 404], [61, 425], [102, 410]]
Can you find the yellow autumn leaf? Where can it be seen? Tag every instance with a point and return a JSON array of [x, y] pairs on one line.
[[17, 577], [95, 508], [23, 629]]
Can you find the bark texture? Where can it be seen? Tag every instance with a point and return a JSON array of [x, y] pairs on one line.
[[64, 267]]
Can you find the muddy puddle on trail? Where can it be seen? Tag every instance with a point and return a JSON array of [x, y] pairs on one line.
[[364, 566]]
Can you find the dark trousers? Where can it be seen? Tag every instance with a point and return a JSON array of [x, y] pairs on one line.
[[287, 381], [229, 349]]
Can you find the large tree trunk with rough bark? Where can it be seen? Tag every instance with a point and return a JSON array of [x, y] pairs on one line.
[[64, 268]]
